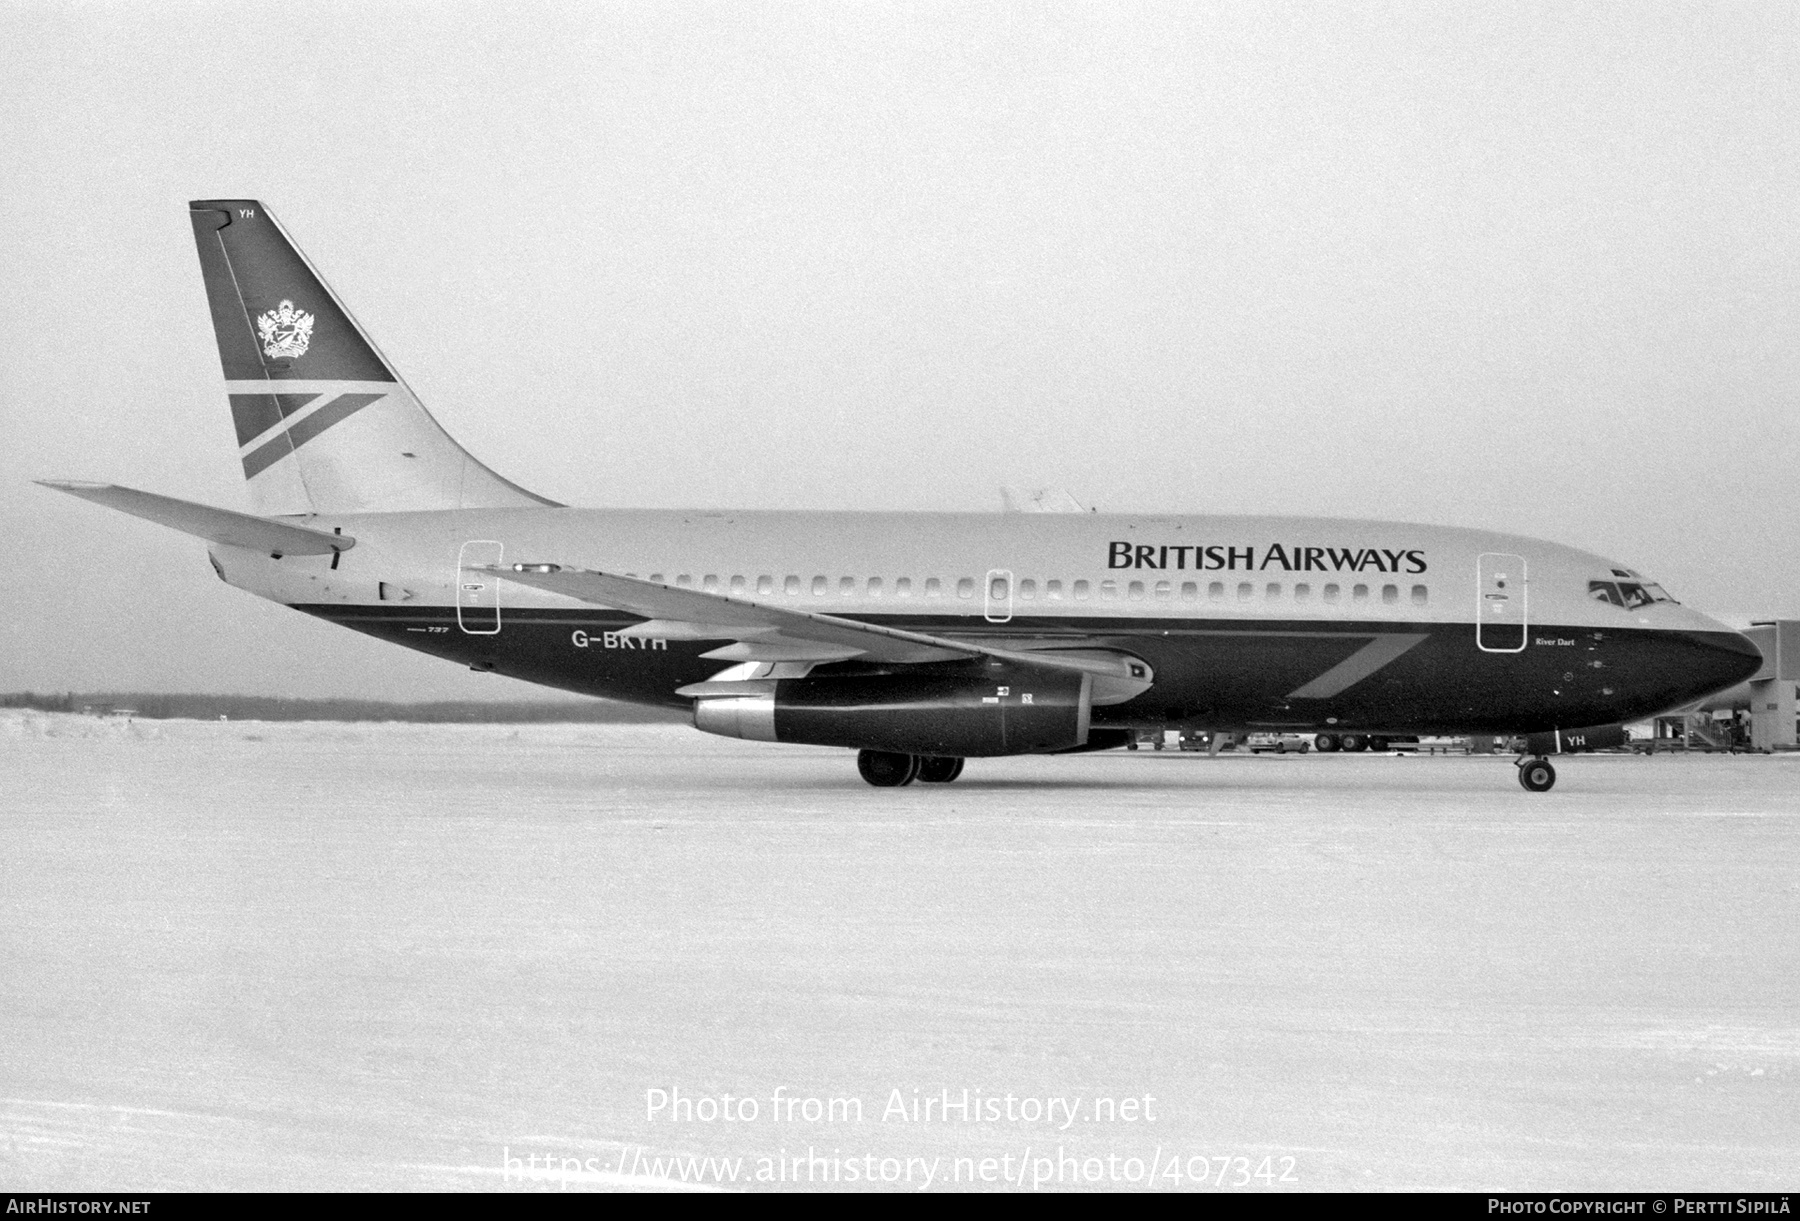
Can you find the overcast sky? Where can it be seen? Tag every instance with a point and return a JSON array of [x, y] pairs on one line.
[[1523, 266]]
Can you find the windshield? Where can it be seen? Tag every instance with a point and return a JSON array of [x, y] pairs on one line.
[[1628, 595]]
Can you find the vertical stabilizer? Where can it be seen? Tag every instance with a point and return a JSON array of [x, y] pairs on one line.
[[324, 424]]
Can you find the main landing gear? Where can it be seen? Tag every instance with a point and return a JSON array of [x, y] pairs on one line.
[[891, 769], [1536, 775]]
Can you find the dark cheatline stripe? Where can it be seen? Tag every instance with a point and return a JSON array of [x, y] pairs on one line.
[[338, 409], [254, 414]]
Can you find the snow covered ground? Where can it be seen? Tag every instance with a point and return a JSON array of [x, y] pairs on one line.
[[386, 956]]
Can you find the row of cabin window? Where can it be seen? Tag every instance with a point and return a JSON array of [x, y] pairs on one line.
[[1027, 590]]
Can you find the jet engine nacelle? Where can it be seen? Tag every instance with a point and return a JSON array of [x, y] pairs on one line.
[[1569, 741], [1002, 710]]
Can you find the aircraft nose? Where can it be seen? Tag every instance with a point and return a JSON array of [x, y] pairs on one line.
[[1721, 657]]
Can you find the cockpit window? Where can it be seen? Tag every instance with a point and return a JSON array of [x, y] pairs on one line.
[[1629, 595]]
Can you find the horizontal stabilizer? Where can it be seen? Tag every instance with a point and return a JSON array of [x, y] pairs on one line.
[[204, 521]]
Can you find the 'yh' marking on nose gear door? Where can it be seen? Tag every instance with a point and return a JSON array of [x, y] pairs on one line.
[[478, 592]]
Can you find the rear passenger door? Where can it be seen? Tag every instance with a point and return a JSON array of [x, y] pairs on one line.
[[478, 592]]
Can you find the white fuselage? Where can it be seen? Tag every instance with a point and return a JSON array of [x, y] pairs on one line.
[[1073, 567]]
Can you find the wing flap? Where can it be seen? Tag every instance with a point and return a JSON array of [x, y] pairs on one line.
[[681, 629], [715, 687], [783, 648]]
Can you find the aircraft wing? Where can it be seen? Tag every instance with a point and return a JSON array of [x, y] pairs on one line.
[[776, 633], [203, 521]]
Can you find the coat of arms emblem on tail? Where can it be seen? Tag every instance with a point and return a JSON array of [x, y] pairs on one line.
[[285, 331]]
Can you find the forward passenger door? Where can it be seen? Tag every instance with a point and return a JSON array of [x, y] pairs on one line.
[[1500, 603]]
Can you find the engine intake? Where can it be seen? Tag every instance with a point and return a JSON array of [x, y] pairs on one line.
[[999, 710]]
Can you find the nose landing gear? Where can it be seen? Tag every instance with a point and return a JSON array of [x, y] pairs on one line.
[[1536, 775]]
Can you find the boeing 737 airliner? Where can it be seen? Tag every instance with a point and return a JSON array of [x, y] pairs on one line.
[[916, 639]]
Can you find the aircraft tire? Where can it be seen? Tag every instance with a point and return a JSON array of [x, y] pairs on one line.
[[1326, 743], [887, 769], [1537, 775], [939, 769]]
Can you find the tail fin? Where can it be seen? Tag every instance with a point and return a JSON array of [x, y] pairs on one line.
[[324, 424]]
